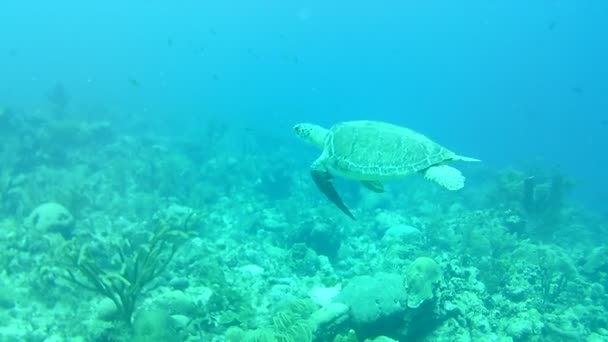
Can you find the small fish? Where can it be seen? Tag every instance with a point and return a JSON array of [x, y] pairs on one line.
[[253, 53], [291, 59], [170, 42], [578, 90], [133, 82], [212, 31], [12, 52], [552, 25], [215, 77], [604, 122]]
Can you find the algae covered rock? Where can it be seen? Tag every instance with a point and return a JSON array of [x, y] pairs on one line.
[[421, 277], [596, 259], [373, 298], [381, 339], [351, 336], [330, 315], [51, 217], [175, 215], [154, 325], [402, 232]]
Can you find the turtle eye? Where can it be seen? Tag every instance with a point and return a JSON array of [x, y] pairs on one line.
[[300, 130]]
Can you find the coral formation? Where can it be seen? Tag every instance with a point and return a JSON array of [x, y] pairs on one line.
[[421, 276], [134, 272], [511, 258], [376, 302]]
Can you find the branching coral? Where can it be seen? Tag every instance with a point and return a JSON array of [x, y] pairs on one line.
[[288, 325], [554, 271], [290, 328], [135, 271]]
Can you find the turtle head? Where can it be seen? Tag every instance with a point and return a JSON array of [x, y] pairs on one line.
[[312, 134]]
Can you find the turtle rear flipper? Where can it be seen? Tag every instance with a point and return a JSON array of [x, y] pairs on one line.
[[322, 179], [446, 176]]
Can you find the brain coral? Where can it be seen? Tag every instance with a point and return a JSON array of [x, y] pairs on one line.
[[373, 298], [420, 276]]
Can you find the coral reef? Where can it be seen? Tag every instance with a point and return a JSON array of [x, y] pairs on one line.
[[108, 209]]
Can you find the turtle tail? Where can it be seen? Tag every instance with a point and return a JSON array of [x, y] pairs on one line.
[[466, 159]]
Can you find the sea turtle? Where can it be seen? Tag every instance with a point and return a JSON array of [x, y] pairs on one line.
[[372, 152]]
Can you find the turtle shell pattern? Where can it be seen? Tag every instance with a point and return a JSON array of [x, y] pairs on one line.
[[375, 150]]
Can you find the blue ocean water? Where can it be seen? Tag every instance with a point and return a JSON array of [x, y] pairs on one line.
[[511, 82], [518, 84]]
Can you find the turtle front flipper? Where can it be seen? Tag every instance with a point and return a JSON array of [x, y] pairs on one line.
[[323, 180], [375, 186]]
